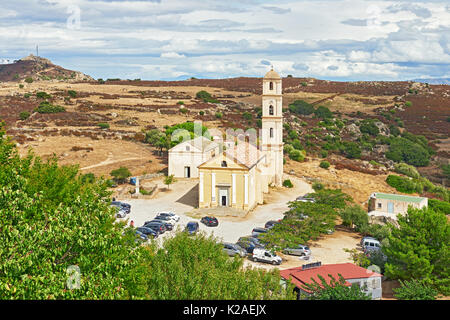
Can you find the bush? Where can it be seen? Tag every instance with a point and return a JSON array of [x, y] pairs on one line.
[[405, 150], [29, 80], [438, 205], [394, 130], [369, 127], [88, 178], [43, 95], [405, 185], [317, 186], [301, 107], [323, 112], [46, 107], [103, 125], [287, 183], [27, 95], [296, 155], [408, 104], [120, 175], [247, 115], [323, 153], [24, 115], [201, 113], [292, 134], [407, 170], [355, 216], [219, 115], [415, 290], [180, 102], [206, 97], [21, 86], [324, 164], [183, 110], [297, 144], [351, 150], [72, 93]]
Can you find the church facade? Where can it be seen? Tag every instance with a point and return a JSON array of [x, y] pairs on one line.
[[241, 174]]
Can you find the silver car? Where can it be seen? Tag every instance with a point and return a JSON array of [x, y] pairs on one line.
[[300, 250], [233, 249]]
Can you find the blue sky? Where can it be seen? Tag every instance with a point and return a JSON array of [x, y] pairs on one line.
[[177, 39]]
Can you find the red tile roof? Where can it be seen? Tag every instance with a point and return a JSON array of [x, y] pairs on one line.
[[348, 270]]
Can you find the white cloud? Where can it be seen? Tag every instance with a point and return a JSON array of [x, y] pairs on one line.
[[172, 55]]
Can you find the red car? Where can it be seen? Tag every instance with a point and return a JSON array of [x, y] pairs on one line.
[[210, 221]]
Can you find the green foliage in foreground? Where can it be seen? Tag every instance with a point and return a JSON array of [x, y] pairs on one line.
[[415, 290], [334, 290], [190, 267], [53, 218], [419, 248]]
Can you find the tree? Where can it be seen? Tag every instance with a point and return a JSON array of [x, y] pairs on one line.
[[368, 126], [168, 180], [323, 112], [334, 290], [157, 139], [195, 267], [351, 150], [121, 174], [301, 107], [415, 290], [296, 155], [354, 215], [24, 115], [402, 149], [419, 248], [324, 164]]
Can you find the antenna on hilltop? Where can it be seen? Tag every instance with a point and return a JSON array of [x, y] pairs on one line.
[[37, 51]]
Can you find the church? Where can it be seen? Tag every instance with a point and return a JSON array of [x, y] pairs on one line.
[[238, 176]]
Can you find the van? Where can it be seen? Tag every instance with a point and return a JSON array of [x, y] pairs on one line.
[[369, 243], [263, 255]]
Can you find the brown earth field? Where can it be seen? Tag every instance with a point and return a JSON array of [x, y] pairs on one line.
[[129, 107]]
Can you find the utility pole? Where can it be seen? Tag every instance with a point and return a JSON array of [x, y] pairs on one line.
[[37, 51]]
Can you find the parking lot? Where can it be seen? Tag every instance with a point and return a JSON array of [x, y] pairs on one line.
[[182, 197]]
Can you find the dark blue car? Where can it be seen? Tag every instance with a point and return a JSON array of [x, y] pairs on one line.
[[192, 227]]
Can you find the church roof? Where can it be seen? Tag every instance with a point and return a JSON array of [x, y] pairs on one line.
[[245, 153], [272, 75], [200, 143]]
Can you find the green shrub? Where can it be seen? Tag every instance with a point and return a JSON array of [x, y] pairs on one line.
[[405, 150], [46, 107], [394, 130], [301, 107], [201, 113], [247, 115], [351, 150], [317, 186], [323, 153], [206, 97], [88, 178], [103, 125], [287, 183], [27, 95], [438, 205], [219, 115], [183, 110], [296, 155], [21, 86], [43, 95], [121, 174], [405, 185], [368, 126], [72, 93], [293, 134], [180, 102], [323, 112], [408, 104], [297, 144], [407, 170], [324, 164], [24, 115], [415, 290], [29, 80]]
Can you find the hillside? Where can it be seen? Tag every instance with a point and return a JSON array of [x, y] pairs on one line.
[[365, 118], [38, 68]]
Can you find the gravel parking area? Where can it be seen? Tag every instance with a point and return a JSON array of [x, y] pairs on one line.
[[182, 197]]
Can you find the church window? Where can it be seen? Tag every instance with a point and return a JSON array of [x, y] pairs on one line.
[[271, 85], [188, 148], [224, 164], [271, 132], [271, 110]]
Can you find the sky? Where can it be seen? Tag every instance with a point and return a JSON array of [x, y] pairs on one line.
[[177, 39]]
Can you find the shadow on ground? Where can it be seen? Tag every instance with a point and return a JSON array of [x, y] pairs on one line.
[[190, 198]]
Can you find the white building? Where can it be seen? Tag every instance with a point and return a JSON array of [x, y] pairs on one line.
[[390, 205], [185, 157]]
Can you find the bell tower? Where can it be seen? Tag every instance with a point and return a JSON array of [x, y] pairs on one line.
[[272, 125]]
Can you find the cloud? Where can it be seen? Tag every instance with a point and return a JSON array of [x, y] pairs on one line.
[[172, 55], [355, 22]]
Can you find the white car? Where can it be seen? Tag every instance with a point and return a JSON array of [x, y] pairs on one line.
[[165, 219], [263, 255], [171, 215]]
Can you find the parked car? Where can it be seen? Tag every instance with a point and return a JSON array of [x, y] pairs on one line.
[[271, 223], [170, 214], [156, 226], [166, 224], [247, 245], [140, 236], [166, 220], [120, 213], [253, 240], [300, 250], [306, 198], [233, 249], [192, 227], [257, 231], [210, 221], [263, 255], [122, 205], [370, 244], [147, 231]]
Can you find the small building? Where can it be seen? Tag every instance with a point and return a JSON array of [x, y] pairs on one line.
[[185, 157], [353, 274], [390, 205], [233, 179]]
